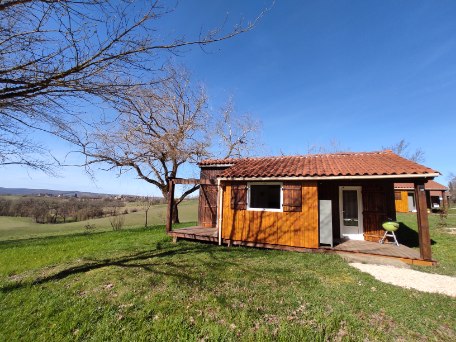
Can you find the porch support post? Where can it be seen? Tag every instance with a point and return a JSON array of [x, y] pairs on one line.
[[444, 200], [169, 215], [219, 211], [423, 222]]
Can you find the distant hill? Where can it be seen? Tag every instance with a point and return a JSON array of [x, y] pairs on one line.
[[25, 191]]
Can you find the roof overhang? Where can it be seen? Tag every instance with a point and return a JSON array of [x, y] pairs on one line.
[[215, 166], [403, 176], [427, 189]]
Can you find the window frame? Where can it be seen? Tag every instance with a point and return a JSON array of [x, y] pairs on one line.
[[249, 184]]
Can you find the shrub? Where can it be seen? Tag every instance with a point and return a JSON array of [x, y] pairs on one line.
[[443, 215], [117, 222], [89, 227]]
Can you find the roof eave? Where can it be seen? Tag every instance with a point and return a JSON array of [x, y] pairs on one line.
[[430, 189], [202, 166], [426, 176]]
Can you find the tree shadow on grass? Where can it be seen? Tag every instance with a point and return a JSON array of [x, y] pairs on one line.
[[211, 258], [408, 236], [46, 239], [133, 260], [203, 255]]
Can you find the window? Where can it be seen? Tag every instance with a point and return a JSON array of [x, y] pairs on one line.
[[265, 196]]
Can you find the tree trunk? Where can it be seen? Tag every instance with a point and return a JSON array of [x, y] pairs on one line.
[[175, 213], [175, 216]]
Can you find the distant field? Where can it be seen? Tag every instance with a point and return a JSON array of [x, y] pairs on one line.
[[11, 197], [22, 227]]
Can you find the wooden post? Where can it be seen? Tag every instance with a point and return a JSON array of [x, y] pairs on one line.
[[444, 200], [423, 222], [169, 216]]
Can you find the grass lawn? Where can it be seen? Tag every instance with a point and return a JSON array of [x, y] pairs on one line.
[[137, 285], [443, 241], [24, 227]]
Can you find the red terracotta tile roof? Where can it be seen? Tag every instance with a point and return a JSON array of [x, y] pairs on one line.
[[321, 165], [430, 185]]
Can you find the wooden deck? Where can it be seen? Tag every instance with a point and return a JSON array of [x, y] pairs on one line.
[[401, 252], [387, 249], [196, 233]]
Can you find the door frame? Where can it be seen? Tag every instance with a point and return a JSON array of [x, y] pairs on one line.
[[360, 235], [412, 195]]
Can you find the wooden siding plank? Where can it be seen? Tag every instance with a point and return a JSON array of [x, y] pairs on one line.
[[240, 226], [207, 206], [402, 203], [311, 200], [298, 229], [310, 217], [283, 230], [227, 215]]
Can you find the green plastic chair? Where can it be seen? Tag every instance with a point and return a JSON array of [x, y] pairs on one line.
[[390, 227]]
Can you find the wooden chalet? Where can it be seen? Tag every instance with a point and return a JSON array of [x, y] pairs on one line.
[[404, 195], [321, 203]]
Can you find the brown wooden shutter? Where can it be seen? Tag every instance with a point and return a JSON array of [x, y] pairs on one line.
[[292, 197], [239, 196]]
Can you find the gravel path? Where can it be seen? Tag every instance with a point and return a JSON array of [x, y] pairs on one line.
[[410, 279]]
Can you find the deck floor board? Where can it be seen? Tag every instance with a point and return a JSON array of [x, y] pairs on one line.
[[351, 246], [376, 248], [196, 233]]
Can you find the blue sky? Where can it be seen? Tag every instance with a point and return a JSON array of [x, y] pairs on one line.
[[364, 73]]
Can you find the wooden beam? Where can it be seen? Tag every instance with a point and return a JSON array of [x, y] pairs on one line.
[[194, 181], [444, 200], [186, 181], [169, 214], [423, 222]]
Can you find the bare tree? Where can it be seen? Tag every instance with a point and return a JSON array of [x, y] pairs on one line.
[[333, 146], [452, 187], [56, 53], [158, 130], [402, 148], [236, 134], [146, 203]]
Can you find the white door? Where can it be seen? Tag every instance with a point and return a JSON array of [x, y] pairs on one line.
[[411, 202], [351, 212]]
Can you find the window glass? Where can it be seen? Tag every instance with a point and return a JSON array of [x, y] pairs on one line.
[[350, 207], [265, 196]]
